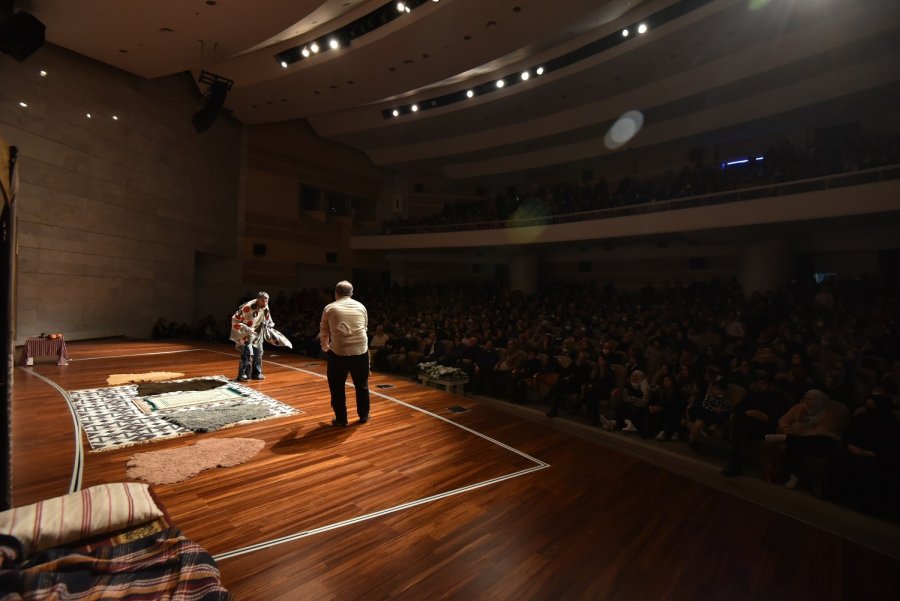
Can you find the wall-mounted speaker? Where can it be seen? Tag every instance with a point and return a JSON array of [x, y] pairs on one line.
[[213, 101], [21, 35]]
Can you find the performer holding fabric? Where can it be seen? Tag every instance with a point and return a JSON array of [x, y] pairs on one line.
[[252, 324], [343, 336]]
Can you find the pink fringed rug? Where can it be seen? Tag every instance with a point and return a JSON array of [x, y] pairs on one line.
[[176, 465]]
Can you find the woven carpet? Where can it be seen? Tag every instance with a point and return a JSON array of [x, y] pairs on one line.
[[176, 465], [111, 420]]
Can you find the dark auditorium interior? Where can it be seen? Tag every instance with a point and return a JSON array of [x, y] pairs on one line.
[[631, 269]]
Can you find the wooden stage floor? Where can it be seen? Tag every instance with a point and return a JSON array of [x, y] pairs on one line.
[[427, 503]]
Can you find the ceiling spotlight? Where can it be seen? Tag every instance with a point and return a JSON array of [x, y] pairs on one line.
[[414, 108], [540, 71], [88, 115], [395, 113], [115, 117], [284, 64], [401, 7], [500, 83], [642, 28], [314, 47], [334, 44], [470, 93], [407, 9], [305, 52], [24, 105], [43, 73], [625, 33], [525, 75]]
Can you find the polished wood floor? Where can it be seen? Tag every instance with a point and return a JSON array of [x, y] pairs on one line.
[[411, 506]]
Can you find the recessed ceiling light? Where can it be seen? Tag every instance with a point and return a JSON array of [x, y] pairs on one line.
[[642, 28], [43, 73], [24, 105], [500, 83], [625, 33], [88, 115], [395, 113], [470, 93], [539, 71], [414, 108], [305, 52], [284, 64], [334, 44], [314, 47], [115, 117], [525, 75]]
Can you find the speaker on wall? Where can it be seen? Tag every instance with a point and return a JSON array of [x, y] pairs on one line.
[[21, 35], [213, 101]]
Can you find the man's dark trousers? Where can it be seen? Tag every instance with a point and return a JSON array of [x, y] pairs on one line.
[[358, 368]]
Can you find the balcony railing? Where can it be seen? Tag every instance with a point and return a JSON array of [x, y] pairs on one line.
[[828, 182]]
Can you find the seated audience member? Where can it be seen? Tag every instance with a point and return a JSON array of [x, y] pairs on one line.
[[482, 378], [467, 357], [631, 412], [522, 374], [756, 415], [572, 381], [811, 428], [400, 352], [599, 388], [713, 410], [377, 356], [432, 349], [505, 368], [865, 475], [741, 375], [667, 405]]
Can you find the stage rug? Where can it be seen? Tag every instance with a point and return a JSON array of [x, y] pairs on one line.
[[150, 376], [111, 420], [176, 465]]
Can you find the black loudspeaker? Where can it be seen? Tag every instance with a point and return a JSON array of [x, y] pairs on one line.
[[212, 105], [21, 35]]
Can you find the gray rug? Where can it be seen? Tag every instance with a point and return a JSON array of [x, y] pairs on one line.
[[210, 420]]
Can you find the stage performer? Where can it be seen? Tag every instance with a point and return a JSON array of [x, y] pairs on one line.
[[251, 325], [344, 339]]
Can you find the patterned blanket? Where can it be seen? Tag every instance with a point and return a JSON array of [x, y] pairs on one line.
[[164, 565]]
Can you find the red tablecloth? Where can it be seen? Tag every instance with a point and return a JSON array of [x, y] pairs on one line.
[[43, 347]]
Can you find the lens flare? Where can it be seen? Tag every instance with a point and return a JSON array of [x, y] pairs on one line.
[[624, 130]]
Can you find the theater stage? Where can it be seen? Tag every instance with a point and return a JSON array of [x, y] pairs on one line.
[[424, 502]]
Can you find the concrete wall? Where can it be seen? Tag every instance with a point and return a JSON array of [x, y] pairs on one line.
[[112, 214]]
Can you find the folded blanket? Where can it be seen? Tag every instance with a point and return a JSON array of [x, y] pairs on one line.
[[164, 565]]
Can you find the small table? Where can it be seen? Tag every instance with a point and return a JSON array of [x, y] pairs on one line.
[[43, 347], [451, 386]]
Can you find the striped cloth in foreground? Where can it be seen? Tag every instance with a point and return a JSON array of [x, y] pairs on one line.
[[165, 565]]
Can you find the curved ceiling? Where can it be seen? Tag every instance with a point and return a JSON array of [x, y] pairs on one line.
[[721, 64]]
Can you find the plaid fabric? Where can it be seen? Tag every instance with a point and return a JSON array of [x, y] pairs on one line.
[[165, 565]]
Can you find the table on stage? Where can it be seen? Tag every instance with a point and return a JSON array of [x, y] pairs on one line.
[[43, 347]]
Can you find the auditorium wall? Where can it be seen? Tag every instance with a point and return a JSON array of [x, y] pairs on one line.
[[285, 246], [118, 220]]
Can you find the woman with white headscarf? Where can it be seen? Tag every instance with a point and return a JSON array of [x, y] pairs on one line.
[[811, 427]]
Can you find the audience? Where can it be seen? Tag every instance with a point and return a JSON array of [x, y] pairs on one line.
[[570, 346], [780, 163]]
